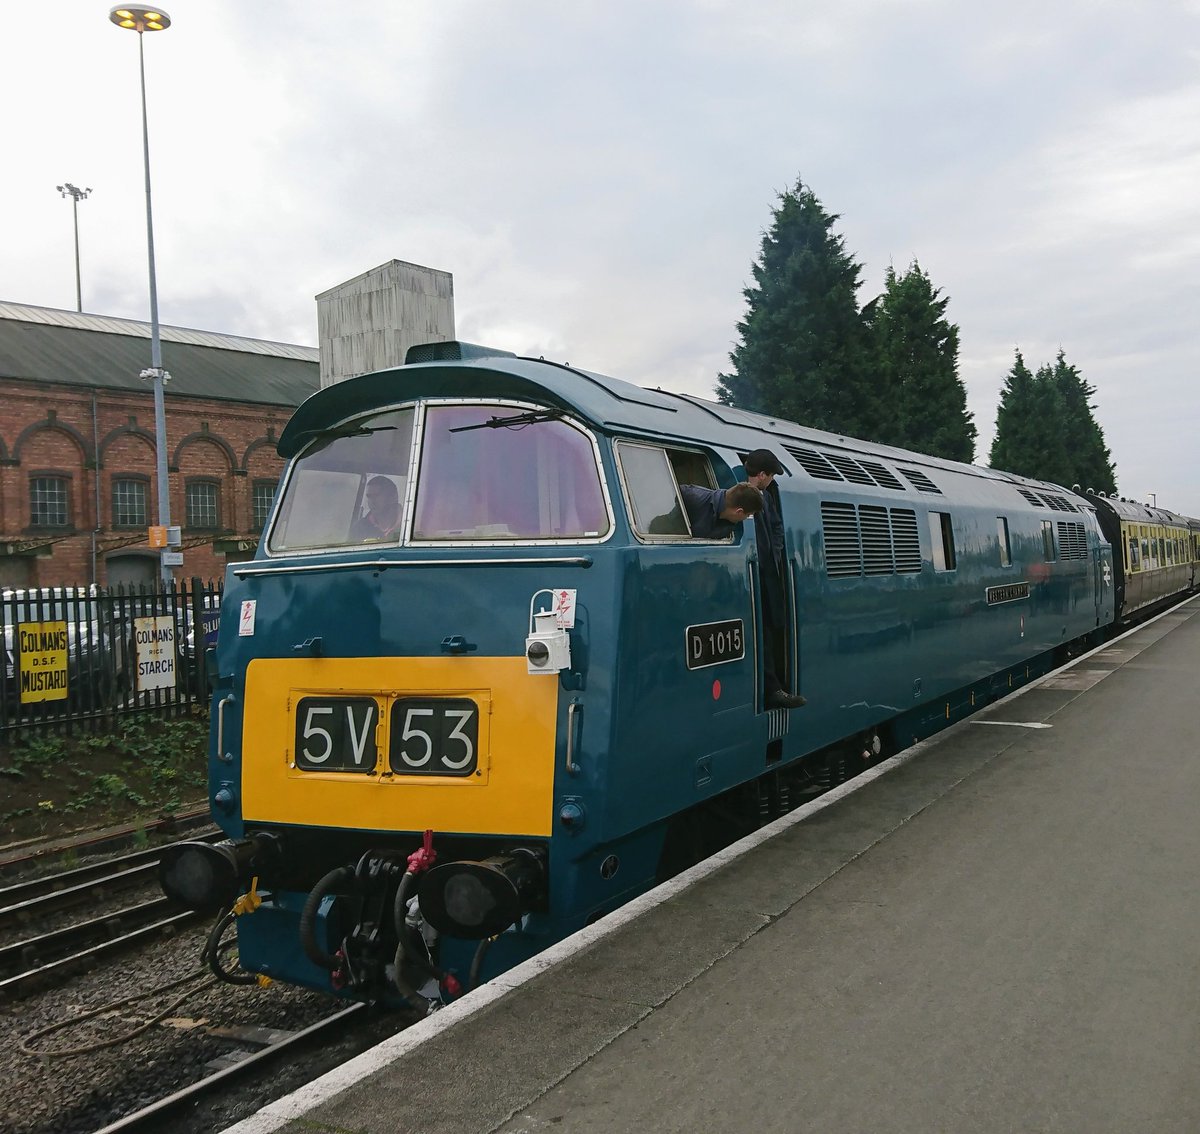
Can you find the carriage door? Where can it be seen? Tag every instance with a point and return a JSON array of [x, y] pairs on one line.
[[1103, 576], [777, 585]]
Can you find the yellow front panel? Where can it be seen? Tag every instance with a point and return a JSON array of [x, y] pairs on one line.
[[509, 793]]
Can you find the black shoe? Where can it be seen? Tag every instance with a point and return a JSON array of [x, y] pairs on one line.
[[778, 699]]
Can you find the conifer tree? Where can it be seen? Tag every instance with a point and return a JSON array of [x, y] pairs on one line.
[[1013, 440], [1082, 437], [1046, 457], [803, 352], [1045, 428], [924, 402]]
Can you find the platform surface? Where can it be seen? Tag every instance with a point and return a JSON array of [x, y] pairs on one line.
[[999, 933]]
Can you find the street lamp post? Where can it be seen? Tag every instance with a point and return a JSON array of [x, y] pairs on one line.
[[76, 195], [142, 20]]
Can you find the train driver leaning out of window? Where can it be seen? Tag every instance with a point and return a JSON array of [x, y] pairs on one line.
[[383, 511], [715, 512]]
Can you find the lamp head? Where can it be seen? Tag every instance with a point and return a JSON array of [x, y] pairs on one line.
[[140, 19]]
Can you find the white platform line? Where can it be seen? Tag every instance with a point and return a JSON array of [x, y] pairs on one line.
[[1013, 724]]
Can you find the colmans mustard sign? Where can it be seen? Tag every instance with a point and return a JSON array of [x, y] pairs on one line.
[[43, 653]]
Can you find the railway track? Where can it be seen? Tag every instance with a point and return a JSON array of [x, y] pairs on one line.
[[35, 960], [21, 902], [259, 1047], [22, 858]]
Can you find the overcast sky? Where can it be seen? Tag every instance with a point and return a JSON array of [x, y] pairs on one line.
[[597, 175]]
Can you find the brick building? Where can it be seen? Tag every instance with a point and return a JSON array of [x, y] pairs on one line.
[[77, 446]]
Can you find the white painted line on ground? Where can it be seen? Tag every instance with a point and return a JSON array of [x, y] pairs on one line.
[[1013, 724]]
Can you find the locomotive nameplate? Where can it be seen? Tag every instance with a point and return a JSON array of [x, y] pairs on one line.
[[715, 643], [1010, 592]]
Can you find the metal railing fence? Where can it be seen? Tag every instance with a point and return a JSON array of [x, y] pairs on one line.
[[77, 658]]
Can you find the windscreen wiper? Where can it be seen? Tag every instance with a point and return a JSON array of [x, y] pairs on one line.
[[338, 432], [513, 421]]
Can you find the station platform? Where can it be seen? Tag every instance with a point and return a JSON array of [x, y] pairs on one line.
[[996, 930]]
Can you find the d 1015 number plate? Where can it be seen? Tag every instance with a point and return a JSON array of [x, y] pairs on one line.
[[714, 643], [436, 736]]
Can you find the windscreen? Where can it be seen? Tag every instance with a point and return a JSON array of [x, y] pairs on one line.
[[487, 472], [494, 472], [348, 487]]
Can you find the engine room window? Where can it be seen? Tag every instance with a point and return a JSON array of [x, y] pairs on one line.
[[941, 534], [502, 472], [1048, 552], [325, 502], [1005, 546]]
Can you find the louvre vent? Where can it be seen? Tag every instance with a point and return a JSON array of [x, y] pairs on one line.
[[876, 535], [1032, 497], [883, 478], [814, 464], [1059, 502], [849, 468], [843, 556], [906, 542], [451, 351], [1072, 540], [870, 540], [920, 481]]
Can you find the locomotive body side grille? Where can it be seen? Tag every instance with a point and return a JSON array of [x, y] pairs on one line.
[[1072, 540], [876, 535], [906, 542], [843, 552], [869, 540]]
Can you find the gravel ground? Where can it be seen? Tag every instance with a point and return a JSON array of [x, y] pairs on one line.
[[45, 1093]]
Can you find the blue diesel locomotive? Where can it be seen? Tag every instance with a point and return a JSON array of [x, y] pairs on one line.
[[481, 685]]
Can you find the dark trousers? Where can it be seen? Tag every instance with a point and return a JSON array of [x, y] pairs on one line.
[[774, 640]]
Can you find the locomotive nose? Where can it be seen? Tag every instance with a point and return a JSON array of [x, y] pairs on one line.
[[209, 876], [480, 899]]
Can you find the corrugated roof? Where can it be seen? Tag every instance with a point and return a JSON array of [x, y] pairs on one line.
[[43, 344]]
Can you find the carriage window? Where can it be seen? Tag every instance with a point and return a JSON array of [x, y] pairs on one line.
[[325, 503], [497, 472]]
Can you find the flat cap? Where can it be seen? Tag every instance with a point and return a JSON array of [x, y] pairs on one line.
[[762, 460]]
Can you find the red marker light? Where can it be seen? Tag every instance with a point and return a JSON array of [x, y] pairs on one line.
[[717, 690]]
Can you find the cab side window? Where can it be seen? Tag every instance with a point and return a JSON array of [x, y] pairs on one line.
[[652, 475]]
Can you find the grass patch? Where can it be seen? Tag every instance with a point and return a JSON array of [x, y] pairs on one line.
[[149, 768]]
